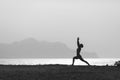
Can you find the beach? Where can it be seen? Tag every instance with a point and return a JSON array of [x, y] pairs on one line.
[[58, 72]]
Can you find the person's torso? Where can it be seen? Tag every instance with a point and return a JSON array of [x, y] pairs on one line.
[[78, 51]]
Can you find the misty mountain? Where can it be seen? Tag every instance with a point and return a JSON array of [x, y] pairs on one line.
[[31, 48]]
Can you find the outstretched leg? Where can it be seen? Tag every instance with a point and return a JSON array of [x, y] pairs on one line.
[[83, 60], [74, 59]]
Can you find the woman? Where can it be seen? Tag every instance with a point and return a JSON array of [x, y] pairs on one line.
[[78, 53]]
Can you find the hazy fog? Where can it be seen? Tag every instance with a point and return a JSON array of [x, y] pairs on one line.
[[96, 22]]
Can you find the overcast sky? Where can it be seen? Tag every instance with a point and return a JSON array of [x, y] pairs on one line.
[[96, 22]]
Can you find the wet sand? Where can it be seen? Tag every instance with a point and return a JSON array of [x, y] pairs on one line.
[[58, 72]]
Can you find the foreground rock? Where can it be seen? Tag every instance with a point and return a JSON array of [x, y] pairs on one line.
[[58, 72]]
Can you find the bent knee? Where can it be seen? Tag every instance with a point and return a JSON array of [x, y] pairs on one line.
[[75, 57]]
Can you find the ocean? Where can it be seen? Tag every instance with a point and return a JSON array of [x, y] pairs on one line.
[[93, 61]]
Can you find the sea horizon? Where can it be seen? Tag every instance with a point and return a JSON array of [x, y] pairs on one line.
[[64, 61]]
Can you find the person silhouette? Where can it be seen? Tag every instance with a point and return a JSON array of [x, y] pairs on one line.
[[78, 56]]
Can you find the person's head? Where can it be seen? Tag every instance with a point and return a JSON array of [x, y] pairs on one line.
[[81, 45]]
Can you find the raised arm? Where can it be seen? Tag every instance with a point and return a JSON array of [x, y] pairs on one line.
[[78, 44]]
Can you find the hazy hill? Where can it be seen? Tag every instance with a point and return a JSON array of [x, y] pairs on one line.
[[31, 48]]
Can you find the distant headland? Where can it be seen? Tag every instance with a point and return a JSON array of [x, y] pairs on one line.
[[32, 48]]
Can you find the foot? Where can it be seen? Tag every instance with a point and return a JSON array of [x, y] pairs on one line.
[[89, 65]]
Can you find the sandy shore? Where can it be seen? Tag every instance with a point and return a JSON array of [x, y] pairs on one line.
[[58, 72]]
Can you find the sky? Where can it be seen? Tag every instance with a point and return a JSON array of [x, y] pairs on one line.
[[96, 22]]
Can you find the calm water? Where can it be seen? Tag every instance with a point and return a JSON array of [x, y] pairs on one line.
[[98, 61]]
